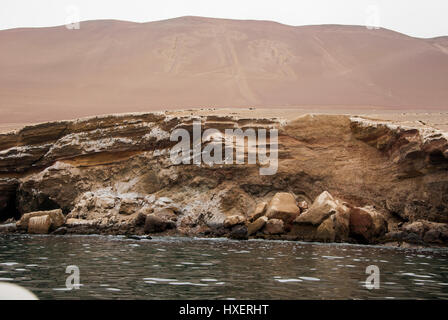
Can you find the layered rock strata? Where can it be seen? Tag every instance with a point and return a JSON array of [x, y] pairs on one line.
[[339, 178]]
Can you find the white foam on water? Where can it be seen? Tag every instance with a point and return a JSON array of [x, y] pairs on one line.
[[309, 278], [209, 280], [288, 280], [415, 275], [160, 279], [188, 284], [332, 257]]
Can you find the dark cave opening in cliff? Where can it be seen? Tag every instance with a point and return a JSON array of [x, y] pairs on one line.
[[26, 202], [10, 210], [437, 158], [46, 204]]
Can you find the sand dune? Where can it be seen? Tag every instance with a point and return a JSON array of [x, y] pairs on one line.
[[115, 66]]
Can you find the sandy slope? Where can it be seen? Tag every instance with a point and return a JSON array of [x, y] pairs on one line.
[[114, 66]]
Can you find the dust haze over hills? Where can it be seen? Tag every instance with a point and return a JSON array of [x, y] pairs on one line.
[[112, 66]]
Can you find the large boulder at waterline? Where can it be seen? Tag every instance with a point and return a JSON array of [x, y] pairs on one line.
[[39, 224], [56, 217], [283, 206]]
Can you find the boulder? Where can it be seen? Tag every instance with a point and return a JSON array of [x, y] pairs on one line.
[[323, 207], [335, 228], [274, 226], [283, 206], [39, 224], [154, 224], [342, 224], [234, 220], [417, 227], [326, 231], [56, 217], [253, 227], [259, 211], [361, 225], [379, 222], [428, 231]]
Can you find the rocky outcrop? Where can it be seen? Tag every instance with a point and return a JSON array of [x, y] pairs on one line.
[[54, 219], [339, 178]]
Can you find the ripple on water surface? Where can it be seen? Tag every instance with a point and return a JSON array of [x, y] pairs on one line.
[[186, 268]]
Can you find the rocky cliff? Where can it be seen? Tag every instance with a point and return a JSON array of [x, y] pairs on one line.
[[339, 178]]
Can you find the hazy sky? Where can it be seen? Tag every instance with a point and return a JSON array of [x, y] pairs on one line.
[[422, 18]]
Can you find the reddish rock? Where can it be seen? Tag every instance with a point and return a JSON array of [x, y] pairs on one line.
[[361, 225]]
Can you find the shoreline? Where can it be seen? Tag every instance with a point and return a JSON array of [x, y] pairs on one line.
[[187, 238]]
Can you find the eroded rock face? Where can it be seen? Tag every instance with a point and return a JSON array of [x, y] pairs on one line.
[[155, 224], [108, 174]]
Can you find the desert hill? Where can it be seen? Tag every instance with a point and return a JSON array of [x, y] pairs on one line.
[[114, 66]]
